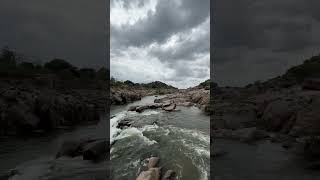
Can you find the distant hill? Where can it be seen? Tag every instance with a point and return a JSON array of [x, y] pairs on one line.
[[151, 85], [157, 85], [309, 69]]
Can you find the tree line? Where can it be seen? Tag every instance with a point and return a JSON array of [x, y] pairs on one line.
[[13, 65]]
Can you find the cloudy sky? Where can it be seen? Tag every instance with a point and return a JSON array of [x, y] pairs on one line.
[[74, 30], [166, 40], [258, 40]]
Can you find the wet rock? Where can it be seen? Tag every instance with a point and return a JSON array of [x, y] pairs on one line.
[[168, 175], [140, 109], [132, 108], [151, 174], [95, 150], [69, 148], [186, 104], [157, 101], [124, 123], [170, 108], [166, 104], [153, 161]]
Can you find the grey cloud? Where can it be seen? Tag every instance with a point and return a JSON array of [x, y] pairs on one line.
[[150, 35], [168, 19], [73, 29], [187, 50], [251, 35]]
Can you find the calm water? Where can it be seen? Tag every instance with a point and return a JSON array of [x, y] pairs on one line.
[[181, 140], [264, 161], [34, 157]]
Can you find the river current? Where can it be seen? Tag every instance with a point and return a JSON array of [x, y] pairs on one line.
[[180, 139]]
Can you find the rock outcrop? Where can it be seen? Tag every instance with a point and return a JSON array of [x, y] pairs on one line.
[[154, 173], [27, 108]]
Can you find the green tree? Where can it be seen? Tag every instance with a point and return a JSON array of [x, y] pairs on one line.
[[57, 65]]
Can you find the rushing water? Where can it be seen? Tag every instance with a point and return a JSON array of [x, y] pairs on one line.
[[34, 157], [263, 161], [181, 140]]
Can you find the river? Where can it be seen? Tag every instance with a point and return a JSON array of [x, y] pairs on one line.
[[180, 139], [34, 157], [263, 161]]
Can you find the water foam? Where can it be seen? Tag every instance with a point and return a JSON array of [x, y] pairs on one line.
[[116, 133]]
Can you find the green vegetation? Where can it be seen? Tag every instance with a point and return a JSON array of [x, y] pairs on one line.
[[12, 66], [205, 84], [159, 86]]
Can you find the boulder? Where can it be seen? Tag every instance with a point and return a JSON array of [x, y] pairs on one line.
[[132, 108], [168, 175], [157, 101], [311, 84], [153, 161], [170, 108], [150, 174], [124, 123], [140, 109], [307, 120], [95, 150], [69, 148], [166, 104], [278, 114]]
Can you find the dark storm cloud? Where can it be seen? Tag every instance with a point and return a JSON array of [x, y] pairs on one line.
[[166, 40], [257, 40], [170, 18], [74, 30]]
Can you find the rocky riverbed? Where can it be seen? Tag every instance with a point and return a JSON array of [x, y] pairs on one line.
[[283, 111], [159, 127], [28, 107]]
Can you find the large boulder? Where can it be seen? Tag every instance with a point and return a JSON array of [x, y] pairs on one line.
[[69, 148], [95, 150], [307, 120], [311, 84], [234, 115], [153, 161], [170, 108], [279, 115]]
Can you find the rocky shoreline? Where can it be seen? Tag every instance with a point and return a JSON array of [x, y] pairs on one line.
[[32, 106], [283, 110]]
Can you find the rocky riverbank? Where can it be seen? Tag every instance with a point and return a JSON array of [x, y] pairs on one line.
[[38, 105], [284, 110], [126, 92]]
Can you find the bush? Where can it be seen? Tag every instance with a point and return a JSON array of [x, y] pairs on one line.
[[57, 65]]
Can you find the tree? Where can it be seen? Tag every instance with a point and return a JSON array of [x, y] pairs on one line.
[[57, 65], [8, 57]]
